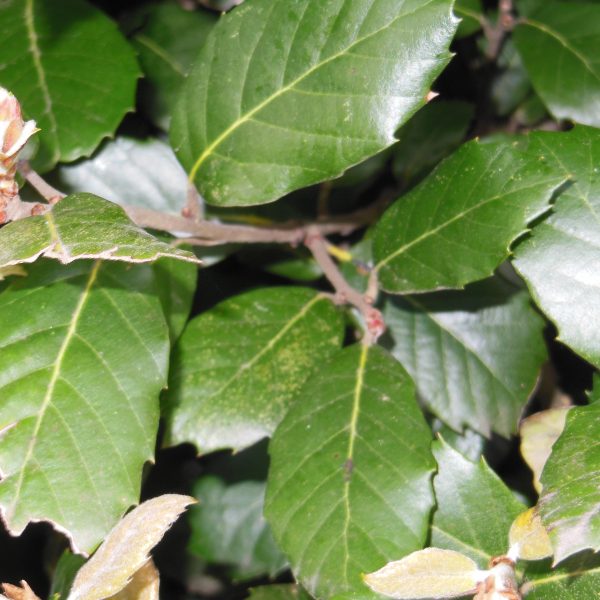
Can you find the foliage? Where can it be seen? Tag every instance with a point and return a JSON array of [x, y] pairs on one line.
[[280, 278]]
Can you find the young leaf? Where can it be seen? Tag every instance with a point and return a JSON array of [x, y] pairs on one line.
[[82, 226], [429, 573], [131, 172], [238, 366], [458, 224], [228, 527], [16, 592], [538, 434], [560, 43], [143, 585], [474, 508], [529, 537], [454, 344], [126, 548], [307, 90], [559, 259], [349, 487], [77, 87], [83, 357], [570, 500]]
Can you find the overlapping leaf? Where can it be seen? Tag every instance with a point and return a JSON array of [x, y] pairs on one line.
[[458, 224], [228, 527], [82, 226], [279, 592], [560, 46], [349, 487], [560, 259], [570, 500], [77, 87], [306, 90], [238, 366], [454, 344], [83, 355]]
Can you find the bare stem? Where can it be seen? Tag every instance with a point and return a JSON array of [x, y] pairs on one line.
[[42, 187], [496, 34], [345, 293]]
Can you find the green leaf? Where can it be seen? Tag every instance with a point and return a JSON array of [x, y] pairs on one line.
[[228, 527], [77, 87], [454, 345], [349, 487], [458, 224], [475, 509], [433, 133], [471, 15], [570, 500], [306, 90], [83, 355], [82, 226], [167, 42], [560, 45], [594, 393], [238, 366], [130, 172], [559, 260], [64, 573], [127, 548], [278, 592]]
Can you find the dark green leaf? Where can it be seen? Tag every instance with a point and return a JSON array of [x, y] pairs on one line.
[[228, 527], [167, 43], [77, 86], [458, 224], [306, 90], [570, 500], [82, 226], [83, 355], [238, 366], [454, 345], [131, 172], [433, 133], [64, 573], [278, 592], [475, 508], [560, 44], [594, 393], [349, 487], [560, 259], [471, 14]]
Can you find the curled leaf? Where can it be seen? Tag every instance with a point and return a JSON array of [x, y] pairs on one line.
[[528, 538], [429, 573]]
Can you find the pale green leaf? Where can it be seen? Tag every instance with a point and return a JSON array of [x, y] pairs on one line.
[[429, 573], [349, 487], [83, 355], [458, 224], [474, 508], [559, 260], [287, 94], [82, 226], [143, 585], [560, 46], [570, 500], [238, 366], [127, 547], [228, 527], [528, 538], [475, 355], [76, 87]]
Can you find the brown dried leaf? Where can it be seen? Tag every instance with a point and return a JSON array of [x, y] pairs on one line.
[[14, 592]]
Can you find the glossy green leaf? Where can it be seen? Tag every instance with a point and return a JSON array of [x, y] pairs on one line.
[[76, 87], [455, 347], [228, 527], [560, 45], [475, 510], [82, 226], [238, 366], [570, 500], [306, 90], [83, 355], [349, 487], [559, 260], [127, 547], [167, 41], [471, 14], [130, 172], [433, 133], [278, 592], [458, 224]]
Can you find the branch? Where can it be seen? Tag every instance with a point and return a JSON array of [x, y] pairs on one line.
[[42, 187], [496, 34], [345, 293]]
